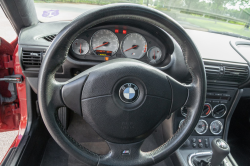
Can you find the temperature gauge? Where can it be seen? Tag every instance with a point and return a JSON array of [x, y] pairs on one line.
[[201, 127], [154, 55], [80, 46]]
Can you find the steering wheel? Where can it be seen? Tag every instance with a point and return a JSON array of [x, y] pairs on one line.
[[123, 100]]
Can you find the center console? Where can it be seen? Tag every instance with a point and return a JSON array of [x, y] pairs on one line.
[[212, 123]]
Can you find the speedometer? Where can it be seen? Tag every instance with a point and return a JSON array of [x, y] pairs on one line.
[[134, 46], [104, 42]]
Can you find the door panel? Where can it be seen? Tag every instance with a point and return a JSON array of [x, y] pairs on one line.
[[9, 104]]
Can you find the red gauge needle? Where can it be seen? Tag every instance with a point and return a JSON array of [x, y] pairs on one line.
[[154, 55], [102, 45], [80, 48], [131, 48]]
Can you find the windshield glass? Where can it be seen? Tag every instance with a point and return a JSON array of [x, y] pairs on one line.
[[231, 17]]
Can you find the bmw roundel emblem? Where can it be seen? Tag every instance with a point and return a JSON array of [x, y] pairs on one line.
[[129, 92]]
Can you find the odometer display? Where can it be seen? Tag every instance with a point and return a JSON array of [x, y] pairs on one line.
[[134, 46], [104, 42]]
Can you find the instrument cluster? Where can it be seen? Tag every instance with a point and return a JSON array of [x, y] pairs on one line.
[[111, 41]]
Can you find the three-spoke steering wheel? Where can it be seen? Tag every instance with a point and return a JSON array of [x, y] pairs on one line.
[[124, 100]]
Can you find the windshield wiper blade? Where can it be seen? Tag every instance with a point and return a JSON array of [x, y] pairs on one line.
[[230, 34]]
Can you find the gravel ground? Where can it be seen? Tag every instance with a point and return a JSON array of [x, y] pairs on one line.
[[6, 139]]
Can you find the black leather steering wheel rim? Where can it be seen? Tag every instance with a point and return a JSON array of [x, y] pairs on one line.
[[49, 90]]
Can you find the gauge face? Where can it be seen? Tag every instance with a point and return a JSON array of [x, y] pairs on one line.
[[216, 127], [184, 111], [207, 109], [154, 55], [80, 46], [104, 43], [219, 111], [134, 46], [201, 127], [181, 122]]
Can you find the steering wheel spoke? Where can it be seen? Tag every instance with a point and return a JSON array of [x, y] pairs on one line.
[[180, 94], [125, 154], [71, 93]]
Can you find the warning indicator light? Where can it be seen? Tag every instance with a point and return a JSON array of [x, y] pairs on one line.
[[124, 31], [106, 58], [116, 30]]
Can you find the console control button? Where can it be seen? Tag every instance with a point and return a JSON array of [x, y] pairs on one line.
[[200, 145], [193, 140], [194, 145], [223, 102], [206, 145]]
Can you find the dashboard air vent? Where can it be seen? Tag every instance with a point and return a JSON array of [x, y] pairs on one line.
[[32, 58], [226, 74], [213, 72], [49, 38], [235, 74]]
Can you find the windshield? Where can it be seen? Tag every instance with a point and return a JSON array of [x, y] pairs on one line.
[[230, 17]]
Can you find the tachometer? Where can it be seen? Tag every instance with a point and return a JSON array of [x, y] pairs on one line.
[[134, 46], [104, 42], [80, 46]]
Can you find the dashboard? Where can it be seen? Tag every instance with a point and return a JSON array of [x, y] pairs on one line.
[[227, 72]]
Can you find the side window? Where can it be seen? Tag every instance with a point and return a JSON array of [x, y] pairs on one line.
[[6, 30]]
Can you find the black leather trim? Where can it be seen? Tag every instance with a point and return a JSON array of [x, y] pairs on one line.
[[58, 51]]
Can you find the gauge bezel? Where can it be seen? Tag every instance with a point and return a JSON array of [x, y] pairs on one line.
[[205, 128], [181, 122], [91, 46], [221, 115], [77, 53], [125, 38], [211, 109], [156, 62], [219, 124]]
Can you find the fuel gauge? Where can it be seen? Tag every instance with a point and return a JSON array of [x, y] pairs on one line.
[[154, 55], [80, 46]]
